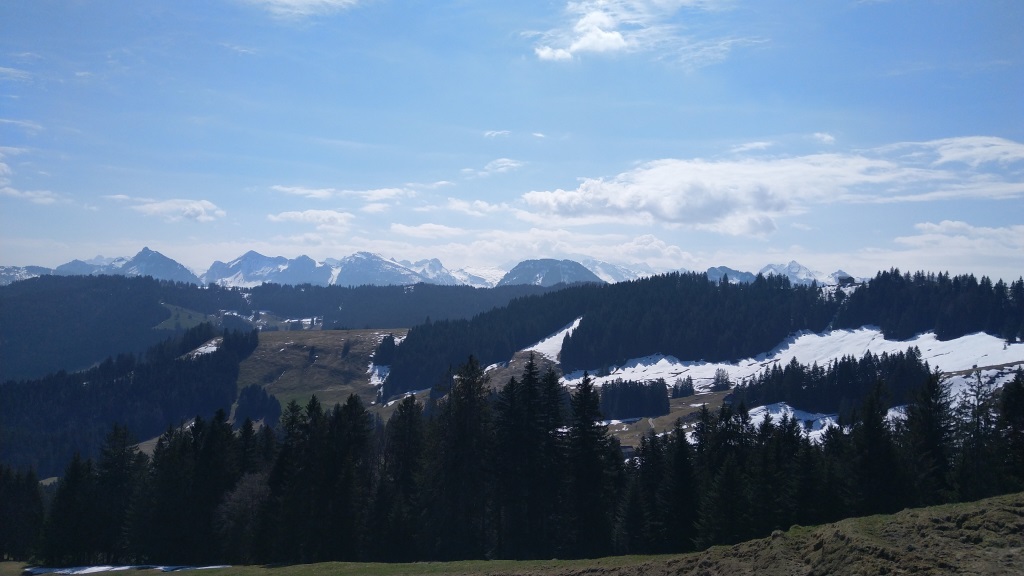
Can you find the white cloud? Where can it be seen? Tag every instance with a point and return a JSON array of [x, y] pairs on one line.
[[317, 193], [824, 137], [429, 230], [747, 196], [496, 133], [374, 197], [14, 74], [977, 150], [475, 207], [177, 209], [27, 125], [957, 236], [376, 207], [749, 146], [611, 26], [33, 196], [303, 8], [539, 135], [497, 166], [324, 220]]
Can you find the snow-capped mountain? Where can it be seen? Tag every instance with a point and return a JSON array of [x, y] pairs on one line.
[[10, 274], [548, 272], [795, 271], [613, 273], [366, 268], [151, 263], [253, 269], [146, 263], [433, 272]]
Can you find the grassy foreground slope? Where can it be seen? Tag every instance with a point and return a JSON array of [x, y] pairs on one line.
[[984, 537]]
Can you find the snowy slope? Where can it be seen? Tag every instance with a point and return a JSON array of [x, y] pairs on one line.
[[950, 356]]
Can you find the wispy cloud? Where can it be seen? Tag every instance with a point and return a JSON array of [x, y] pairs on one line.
[[475, 207], [33, 196], [496, 133], [824, 138], [748, 196], [14, 74], [372, 197], [43, 197], [176, 209], [324, 220], [749, 146], [303, 8], [427, 231], [652, 26], [497, 166], [27, 125]]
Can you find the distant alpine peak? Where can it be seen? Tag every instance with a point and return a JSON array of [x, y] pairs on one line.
[[795, 271], [548, 272], [368, 268]]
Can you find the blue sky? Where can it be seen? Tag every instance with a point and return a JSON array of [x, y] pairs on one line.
[[860, 135]]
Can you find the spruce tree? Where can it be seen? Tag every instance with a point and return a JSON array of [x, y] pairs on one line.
[[590, 475]]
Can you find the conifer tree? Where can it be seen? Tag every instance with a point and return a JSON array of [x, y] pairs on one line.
[[929, 442], [457, 495], [68, 536], [591, 475]]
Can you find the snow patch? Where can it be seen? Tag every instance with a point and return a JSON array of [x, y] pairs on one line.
[[551, 346]]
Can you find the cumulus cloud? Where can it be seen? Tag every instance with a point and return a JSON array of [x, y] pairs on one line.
[[303, 8], [748, 196], [324, 220], [178, 209], [611, 26]]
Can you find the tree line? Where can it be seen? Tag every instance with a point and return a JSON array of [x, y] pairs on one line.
[[517, 473], [838, 387], [685, 315]]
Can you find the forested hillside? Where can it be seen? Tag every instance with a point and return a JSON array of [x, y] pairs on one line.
[[44, 422], [70, 323], [686, 316], [512, 475]]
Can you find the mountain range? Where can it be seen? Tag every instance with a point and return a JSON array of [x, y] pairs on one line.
[[365, 268]]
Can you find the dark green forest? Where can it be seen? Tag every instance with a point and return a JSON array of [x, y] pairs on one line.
[[70, 323], [44, 422], [686, 316], [514, 474]]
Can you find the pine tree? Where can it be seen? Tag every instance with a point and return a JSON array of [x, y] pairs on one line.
[[591, 476], [1011, 430], [976, 470], [397, 505], [929, 442], [457, 494], [68, 536], [119, 473]]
